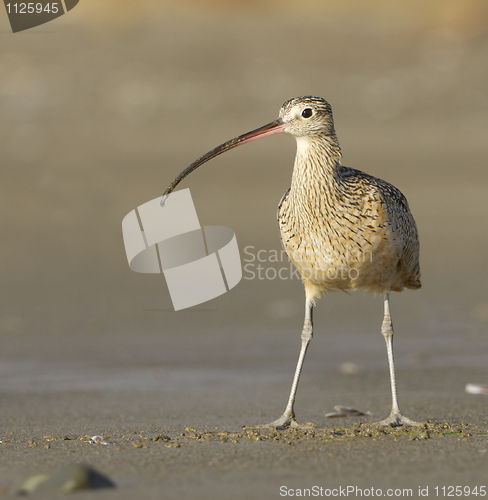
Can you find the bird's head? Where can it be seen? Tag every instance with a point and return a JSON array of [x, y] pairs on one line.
[[306, 116]]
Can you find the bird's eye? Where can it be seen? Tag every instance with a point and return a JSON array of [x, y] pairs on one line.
[[307, 113]]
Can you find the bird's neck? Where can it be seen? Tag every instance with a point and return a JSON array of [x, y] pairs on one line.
[[316, 164]]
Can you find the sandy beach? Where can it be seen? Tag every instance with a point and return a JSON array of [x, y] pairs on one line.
[[99, 111]]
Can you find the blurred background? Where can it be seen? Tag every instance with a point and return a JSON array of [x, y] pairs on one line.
[[103, 107]]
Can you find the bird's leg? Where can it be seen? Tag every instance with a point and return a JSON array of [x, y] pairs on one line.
[[396, 418], [288, 418]]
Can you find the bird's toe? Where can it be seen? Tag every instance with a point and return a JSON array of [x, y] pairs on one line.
[[397, 419], [284, 422]]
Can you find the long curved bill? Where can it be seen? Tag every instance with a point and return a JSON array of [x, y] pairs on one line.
[[275, 127]]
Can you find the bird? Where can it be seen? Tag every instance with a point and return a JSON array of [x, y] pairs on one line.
[[342, 228]]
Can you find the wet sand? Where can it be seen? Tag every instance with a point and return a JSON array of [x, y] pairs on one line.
[[98, 117]]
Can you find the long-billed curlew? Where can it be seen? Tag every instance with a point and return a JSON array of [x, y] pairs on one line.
[[343, 229]]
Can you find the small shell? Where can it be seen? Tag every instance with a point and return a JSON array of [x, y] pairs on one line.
[[98, 440], [476, 389], [344, 411]]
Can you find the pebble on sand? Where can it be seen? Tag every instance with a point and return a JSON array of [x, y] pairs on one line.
[[66, 479]]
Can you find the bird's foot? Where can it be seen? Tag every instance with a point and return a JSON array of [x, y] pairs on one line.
[[284, 422], [396, 419]]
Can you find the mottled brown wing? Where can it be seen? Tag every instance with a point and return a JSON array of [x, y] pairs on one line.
[[400, 212]]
